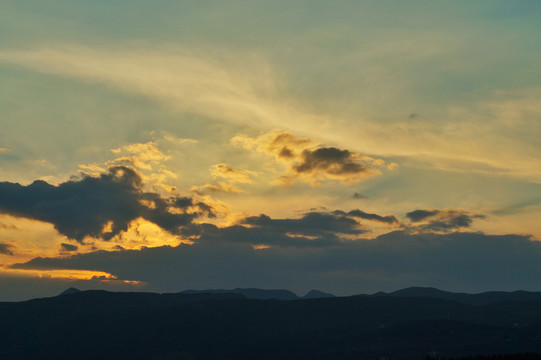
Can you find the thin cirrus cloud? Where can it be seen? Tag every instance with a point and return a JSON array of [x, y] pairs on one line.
[[221, 187], [245, 89], [232, 175], [140, 155], [227, 178], [6, 249]]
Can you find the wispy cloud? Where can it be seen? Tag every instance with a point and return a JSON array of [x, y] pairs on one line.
[[244, 88], [232, 175]]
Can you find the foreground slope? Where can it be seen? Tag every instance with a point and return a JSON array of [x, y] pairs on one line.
[[100, 324]]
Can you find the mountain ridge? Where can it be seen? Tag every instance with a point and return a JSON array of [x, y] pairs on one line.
[[263, 294], [482, 298], [139, 325]]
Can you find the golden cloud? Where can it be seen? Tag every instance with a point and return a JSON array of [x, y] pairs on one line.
[[310, 161]]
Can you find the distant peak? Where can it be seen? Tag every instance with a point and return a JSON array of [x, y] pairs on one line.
[[316, 294], [251, 293], [418, 290], [69, 291]]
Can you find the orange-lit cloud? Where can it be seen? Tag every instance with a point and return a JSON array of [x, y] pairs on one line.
[[68, 274], [211, 188], [226, 177], [84, 207], [310, 161], [91, 169], [180, 141], [140, 155], [232, 175], [60, 274], [145, 159], [244, 88]]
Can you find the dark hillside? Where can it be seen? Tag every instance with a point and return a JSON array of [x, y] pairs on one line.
[[229, 326]]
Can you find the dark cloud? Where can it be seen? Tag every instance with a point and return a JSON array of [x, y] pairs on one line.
[[313, 229], [442, 220], [68, 247], [5, 249], [450, 223], [388, 219], [457, 261], [413, 116], [359, 196], [329, 160], [419, 215], [312, 223], [83, 207], [286, 152]]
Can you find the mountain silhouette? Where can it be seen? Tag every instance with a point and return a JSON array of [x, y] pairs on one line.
[[408, 324], [250, 293], [484, 298], [70, 291], [316, 294]]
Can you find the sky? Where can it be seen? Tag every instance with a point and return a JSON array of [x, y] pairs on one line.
[[351, 146]]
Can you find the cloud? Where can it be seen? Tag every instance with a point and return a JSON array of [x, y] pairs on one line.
[[457, 261], [146, 158], [232, 175], [8, 226], [419, 215], [140, 155], [389, 219], [68, 247], [5, 249], [313, 229], [179, 141], [332, 163], [229, 176], [358, 196], [91, 169], [310, 161], [221, 85], [211, 188], [442, 220], [99, 207], [243, 88]]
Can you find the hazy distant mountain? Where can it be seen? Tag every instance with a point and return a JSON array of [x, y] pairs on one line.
[[70, 291], [250, 293], [316, 294], [473, 299]]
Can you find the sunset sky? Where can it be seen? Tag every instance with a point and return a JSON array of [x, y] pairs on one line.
[[349, 146]]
